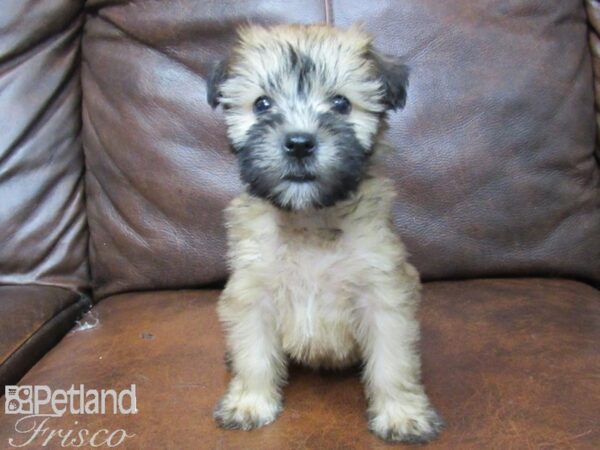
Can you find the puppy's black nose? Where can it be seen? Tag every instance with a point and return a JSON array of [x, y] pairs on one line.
[[299, 145]]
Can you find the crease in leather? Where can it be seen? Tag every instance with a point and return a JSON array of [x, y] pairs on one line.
[[91, 178], [107, 156], [140, 41], [60, 94], [68, 227], [35, 47]]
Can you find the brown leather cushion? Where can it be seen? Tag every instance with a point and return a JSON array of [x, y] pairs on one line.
[[32, 320], [509, 363], [494, 153], [43, 233]]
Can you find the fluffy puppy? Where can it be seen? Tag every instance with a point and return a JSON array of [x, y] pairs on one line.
[[317, 273]]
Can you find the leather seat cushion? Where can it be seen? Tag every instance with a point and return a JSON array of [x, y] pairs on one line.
[[509, 363]]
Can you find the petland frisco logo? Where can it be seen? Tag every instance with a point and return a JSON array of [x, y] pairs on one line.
[[38, 405]]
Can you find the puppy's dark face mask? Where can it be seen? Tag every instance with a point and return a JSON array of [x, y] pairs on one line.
[[304, 106]]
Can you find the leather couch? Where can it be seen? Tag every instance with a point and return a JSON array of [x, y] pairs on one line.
[[114, 173]]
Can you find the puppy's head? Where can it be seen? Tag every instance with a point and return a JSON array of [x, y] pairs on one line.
[[304, 106]]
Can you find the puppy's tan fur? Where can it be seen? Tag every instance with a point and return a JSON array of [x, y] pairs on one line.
[[327, 287]]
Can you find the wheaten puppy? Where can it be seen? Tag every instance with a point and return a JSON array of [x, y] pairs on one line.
[[317, 273]]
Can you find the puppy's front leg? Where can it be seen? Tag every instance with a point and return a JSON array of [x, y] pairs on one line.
[[399, 409], [253, 398]]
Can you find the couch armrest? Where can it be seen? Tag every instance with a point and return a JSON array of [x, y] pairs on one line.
[[32, 320]]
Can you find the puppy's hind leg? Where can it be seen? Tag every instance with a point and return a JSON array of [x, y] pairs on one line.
[[399, 409], [253, 398]]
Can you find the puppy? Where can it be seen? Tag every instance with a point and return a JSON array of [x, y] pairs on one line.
[[317, 274]]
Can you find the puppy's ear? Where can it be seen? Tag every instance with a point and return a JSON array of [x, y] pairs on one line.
[[216, 78], [394, 76]]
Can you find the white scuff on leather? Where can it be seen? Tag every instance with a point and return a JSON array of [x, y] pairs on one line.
[[88, 321]]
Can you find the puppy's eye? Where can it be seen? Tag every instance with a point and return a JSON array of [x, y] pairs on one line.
[[341, 104], [262, 104]]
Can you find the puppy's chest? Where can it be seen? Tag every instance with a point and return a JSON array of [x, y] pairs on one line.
[[315, 259], [312, 281]]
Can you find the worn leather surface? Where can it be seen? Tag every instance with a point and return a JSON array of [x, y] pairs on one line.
[[43, 237], [494, 152], [32, 320], [511, 364]]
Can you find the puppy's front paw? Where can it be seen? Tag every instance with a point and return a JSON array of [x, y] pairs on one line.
[[246, 411], [396, 422]]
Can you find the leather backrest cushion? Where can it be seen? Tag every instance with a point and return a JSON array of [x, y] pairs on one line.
[[43, 233], [493, 156]]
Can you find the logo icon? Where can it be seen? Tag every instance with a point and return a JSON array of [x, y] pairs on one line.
[[19, 399]]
